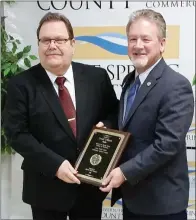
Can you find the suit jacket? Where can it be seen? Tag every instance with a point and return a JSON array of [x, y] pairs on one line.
[[155, 162], [38, 129]]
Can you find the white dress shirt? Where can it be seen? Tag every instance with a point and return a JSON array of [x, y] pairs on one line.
[[69, 83], [143, 76]]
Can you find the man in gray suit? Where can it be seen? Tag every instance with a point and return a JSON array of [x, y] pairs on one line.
[[156, 106]]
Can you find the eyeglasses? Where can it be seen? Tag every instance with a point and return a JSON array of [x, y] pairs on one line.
[[46, 41]]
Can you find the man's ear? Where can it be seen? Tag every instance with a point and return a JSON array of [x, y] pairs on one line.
[[163, 43], [73, 42]]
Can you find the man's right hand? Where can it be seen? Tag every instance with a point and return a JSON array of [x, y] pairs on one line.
[[67, 173]]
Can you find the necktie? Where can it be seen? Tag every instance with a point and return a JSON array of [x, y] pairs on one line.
[[131, 96], [67, 103]]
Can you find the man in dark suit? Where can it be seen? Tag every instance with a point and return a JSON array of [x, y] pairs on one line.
[[156, 106], [50, 111]]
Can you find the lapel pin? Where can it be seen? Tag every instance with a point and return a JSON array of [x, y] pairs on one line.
[[148, 83]]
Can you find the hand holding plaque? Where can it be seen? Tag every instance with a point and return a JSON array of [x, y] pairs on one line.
[[100, 154]]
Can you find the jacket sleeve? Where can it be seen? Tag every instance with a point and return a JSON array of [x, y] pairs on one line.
[[15, 123], [173, 122]]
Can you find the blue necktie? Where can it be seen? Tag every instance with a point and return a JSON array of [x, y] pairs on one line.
[[131, 96]]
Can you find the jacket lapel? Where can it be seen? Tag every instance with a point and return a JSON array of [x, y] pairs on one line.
[[81, 96], [52, 99], [146, 87]]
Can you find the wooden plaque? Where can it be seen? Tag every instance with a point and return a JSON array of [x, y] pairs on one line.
[[100, 154]]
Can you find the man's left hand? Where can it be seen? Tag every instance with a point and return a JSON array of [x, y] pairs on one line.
[[113, 180]]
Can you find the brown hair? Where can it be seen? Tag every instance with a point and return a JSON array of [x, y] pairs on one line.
[[150, 15], [56, 17]]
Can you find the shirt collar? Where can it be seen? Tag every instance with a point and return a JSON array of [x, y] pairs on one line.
[[68, 75], [143, 76]]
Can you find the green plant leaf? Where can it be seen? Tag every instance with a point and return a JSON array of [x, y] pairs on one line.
[[10, 66], [33, 57], [5, 66], [9, 150], [27, 62], [27, 49], [18, 42], [194, 81], [14, 47], [10, 2], [6, 71], [4, 35], [14, 68], [11, 38], [19, 55]]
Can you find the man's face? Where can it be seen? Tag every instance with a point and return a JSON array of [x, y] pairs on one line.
[[55, 50], [144, 45]]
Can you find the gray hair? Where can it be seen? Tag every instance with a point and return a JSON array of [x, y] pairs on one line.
[[150, 15]]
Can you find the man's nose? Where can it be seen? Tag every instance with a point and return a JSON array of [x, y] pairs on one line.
[[52, 44], [139, 43]]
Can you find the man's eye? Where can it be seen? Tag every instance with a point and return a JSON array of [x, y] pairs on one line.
[[46, 41], [59, 41], [146, 40]]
